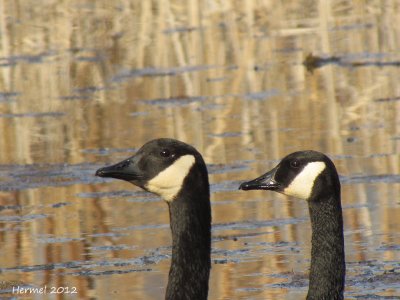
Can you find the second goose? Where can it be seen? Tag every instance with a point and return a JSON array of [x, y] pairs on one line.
[[312, 176]]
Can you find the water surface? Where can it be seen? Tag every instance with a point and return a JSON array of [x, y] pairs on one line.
[[85, 84]]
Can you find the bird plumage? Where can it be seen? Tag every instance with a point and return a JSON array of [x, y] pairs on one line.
[[312, 176], [176, 171]]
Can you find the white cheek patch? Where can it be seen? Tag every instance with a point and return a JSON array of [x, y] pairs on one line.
[[169, 182], [302, 185]]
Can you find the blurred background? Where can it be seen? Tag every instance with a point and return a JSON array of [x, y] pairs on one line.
[[86, 83]]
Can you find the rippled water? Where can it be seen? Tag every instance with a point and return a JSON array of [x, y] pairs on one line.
[[85, 84]]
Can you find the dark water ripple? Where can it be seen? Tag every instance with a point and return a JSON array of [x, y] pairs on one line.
[[19, 177], [382, 178], [252, 224], [108, 272], [8, 96], [87, 265], [151, 72], [53, 114], [174, 102], [20, 219], [30, 59]]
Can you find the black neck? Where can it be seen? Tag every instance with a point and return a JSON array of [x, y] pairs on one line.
[[190, 217], [328, 268]]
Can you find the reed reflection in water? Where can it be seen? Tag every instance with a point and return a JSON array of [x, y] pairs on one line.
[[84, 84]]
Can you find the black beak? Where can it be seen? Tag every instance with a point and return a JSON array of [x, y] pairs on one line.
[[264, 182], [125, 170]]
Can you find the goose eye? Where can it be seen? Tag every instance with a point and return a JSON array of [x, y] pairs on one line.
[[165, 153], [295, 164]]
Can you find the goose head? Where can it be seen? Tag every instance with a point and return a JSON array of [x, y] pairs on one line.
[[308, 175], [160, 167]]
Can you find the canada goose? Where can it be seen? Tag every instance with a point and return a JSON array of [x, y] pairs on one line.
[[176, 172], [312, 176]]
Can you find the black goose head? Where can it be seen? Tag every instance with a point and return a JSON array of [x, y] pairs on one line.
[[307, 175], [160, 167]]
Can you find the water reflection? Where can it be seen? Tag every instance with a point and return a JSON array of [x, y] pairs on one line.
[[86, 84]]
